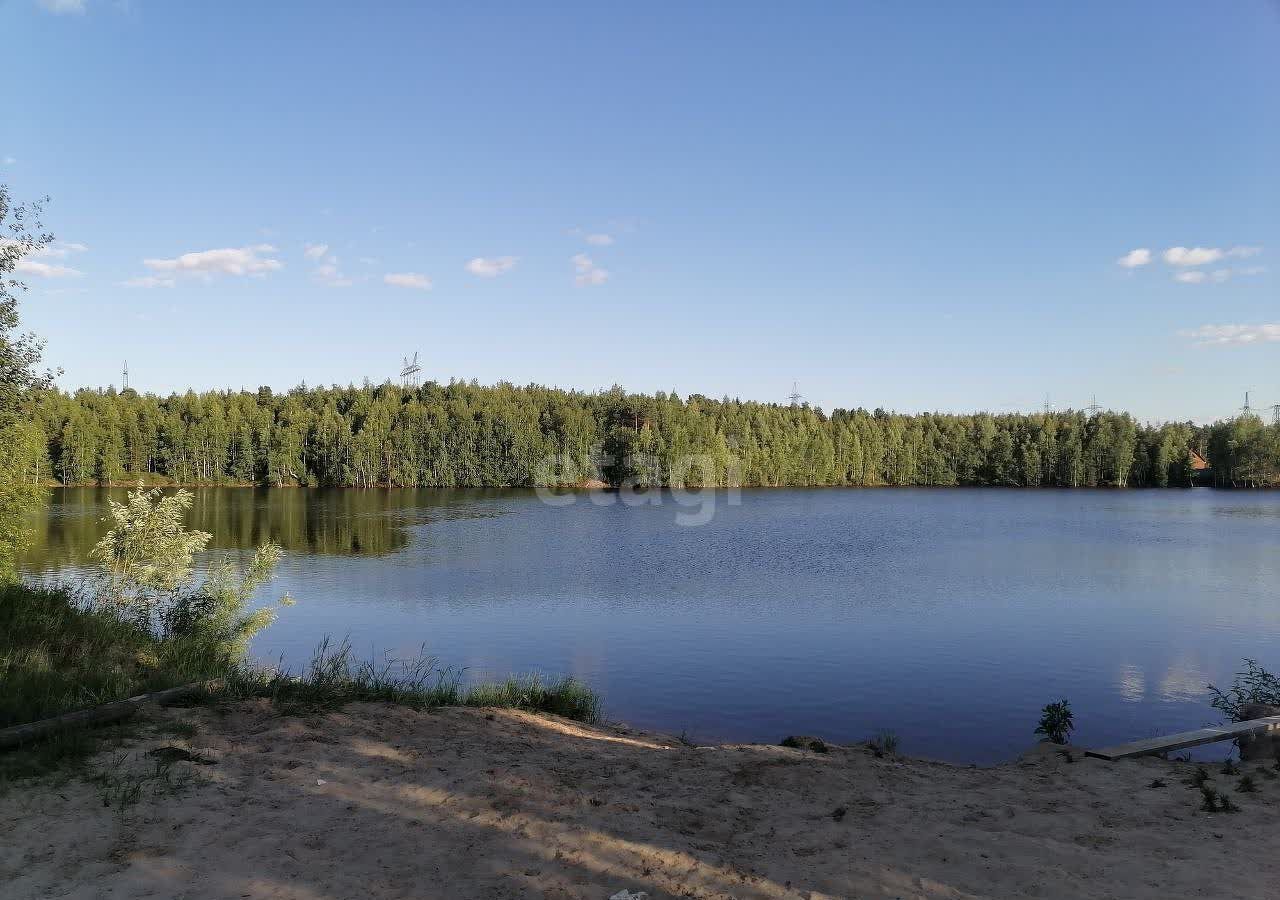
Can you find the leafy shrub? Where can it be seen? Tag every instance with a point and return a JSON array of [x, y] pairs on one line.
[[1056, 722], [148, 558], [1254, 685]]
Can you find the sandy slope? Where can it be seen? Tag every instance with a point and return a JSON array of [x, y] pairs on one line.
[[385, 802]]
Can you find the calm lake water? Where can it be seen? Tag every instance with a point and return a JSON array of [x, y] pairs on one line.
[[949, 616]]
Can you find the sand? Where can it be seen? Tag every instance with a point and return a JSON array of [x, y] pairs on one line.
[[380, 801]]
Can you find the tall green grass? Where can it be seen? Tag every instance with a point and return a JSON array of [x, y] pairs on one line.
[[334, 678], [59, 653]]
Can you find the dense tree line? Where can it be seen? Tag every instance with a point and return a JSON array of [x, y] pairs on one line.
[[463, 434]]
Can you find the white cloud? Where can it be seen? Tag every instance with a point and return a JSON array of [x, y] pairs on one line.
[[586, 272], [46, 270], [315, 251], [408, 280], [59, 7], [1234, 335], [57, 251], [491, 267], [149, 281], [330, 275], [1135, 258], [1244, 252], [1192, 256], [599, 240], [226, 261], [1217, 276]]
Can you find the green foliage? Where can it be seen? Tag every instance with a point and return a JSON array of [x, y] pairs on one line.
[[148, 553], [148, 558], [465, 435], [23, 442], [60, 652], [1254, 685], [1056, 722]]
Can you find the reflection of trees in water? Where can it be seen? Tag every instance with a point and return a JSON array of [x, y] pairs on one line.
[[340, 522]]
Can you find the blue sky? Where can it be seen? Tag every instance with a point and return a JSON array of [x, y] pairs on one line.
[[915, 206]]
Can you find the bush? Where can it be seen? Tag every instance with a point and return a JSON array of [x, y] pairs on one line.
[[148, 557], [1056, 722], [1254, 685]]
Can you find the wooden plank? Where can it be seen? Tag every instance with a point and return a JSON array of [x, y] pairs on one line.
[[1185, 739], [98, 715]]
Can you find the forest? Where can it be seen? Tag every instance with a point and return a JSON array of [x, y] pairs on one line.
[[467, 435]]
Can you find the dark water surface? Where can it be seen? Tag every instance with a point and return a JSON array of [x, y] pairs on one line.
[[949, 616]]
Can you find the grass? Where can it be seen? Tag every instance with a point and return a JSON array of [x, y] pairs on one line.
[[334, 678], [885, 743], [59, 653]]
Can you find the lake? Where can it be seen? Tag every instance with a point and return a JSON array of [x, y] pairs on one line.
[[949, 616]]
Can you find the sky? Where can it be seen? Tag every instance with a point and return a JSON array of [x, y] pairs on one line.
[[914, 206]]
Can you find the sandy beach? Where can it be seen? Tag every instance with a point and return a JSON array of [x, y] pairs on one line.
[[382, 801]]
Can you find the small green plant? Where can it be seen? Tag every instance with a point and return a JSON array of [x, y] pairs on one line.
[[1246, 785], [122, 785], [1198, 778], [1229, 767], [1208, 798], [883, 743], [1157, 783], [805, 742], [1254, 685], [1056, 722]]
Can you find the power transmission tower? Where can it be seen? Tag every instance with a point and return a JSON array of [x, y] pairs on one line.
[[1048, 404], [1246, 410], [409, 372], [794, 396], [1275, 413], [1093, 408], [124, 376]]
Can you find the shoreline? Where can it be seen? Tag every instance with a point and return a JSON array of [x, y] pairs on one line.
[[382, 801]]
